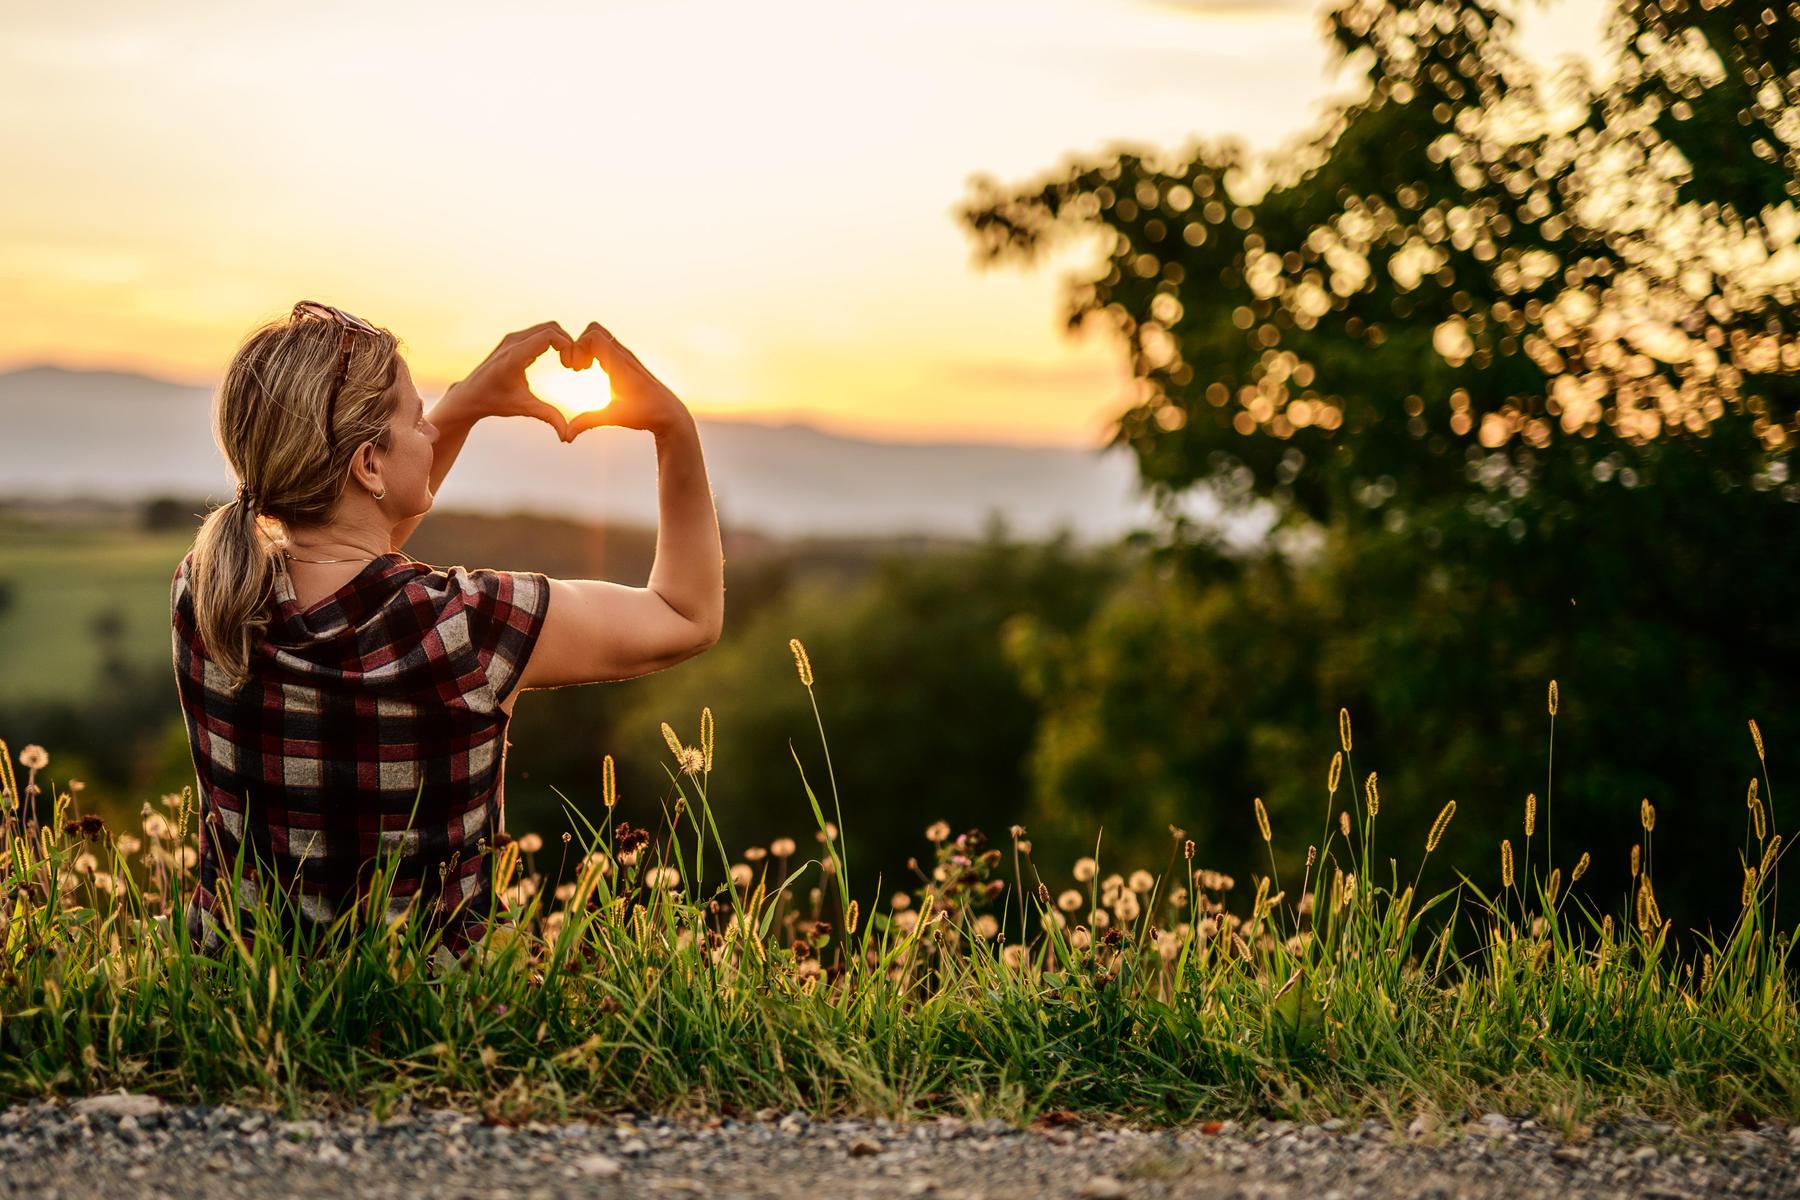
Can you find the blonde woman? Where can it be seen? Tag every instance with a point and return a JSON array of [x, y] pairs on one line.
[[343, 700]]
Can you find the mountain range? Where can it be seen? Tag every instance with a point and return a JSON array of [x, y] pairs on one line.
[[68, 434]]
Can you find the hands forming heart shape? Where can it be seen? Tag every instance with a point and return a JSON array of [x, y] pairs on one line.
[[518, 379]]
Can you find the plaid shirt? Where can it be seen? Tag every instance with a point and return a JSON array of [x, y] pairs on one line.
[[382, 697]]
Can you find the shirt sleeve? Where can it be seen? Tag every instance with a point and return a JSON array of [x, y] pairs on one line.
[[506, 611]]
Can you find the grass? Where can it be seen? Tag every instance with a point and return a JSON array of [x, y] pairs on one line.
[[674, 976], [61, 583]]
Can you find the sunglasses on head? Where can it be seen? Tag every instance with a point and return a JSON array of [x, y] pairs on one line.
[[350, 324]]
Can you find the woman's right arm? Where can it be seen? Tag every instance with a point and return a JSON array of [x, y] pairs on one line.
[[595, 630]]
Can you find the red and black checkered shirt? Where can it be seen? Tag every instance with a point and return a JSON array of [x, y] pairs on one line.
[[371, 723]]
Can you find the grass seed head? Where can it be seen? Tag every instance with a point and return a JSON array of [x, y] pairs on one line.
[[1553, 697], [1344, 728], [609, 784], [1749, 892], [1530, 812], [1506, 863], [1636, 858], [1344, 822], [668, 733], [1438, 826], [1187, 850], [851, 917], [1756, 819], [1312, 856], [1770, 854], [801, 661], [1373, 794], [1262, 820], [1647, 814], [1337, 770], [706, 737], [1756, 737], [1581, 866]]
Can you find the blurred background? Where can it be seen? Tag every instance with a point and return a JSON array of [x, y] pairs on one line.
[[1104, 391]]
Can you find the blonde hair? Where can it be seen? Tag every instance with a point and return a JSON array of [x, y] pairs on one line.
[[270, 424]]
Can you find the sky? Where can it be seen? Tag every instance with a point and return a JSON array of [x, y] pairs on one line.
[[757, 199]]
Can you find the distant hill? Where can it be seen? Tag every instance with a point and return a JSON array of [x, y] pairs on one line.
[[67, 433]]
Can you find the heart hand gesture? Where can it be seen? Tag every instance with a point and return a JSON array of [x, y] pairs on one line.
[[639, 399], [497, 387]]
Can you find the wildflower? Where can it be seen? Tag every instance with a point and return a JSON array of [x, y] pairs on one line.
[[1581, 866], [706, 737], [1438, 826], [801, 661], [1113, 936], [937, 831], [1168, 945], [34, 757], [693, 760], [1344, 822], [1756, 736], [1084, 869], [782, 847], [1344, 728], [1126, 907], [1337, 770], [531, 843], [609, 788], [1141, 881], [1647, 814], [1373, 794], [1530, 812], [1262, 820], [1506, 863], [1553, 697], [88, 825]]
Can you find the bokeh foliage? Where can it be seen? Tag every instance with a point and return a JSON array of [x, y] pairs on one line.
[[1511, 352]]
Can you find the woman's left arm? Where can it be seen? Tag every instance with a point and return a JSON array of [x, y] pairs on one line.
[[496, 388]]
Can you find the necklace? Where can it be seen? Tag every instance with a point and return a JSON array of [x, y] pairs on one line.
[[297, 558]]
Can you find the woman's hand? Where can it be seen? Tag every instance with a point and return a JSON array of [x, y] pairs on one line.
[[639, 399], [497, 387]]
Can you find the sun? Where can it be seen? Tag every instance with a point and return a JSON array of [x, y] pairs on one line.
[[571, 392]]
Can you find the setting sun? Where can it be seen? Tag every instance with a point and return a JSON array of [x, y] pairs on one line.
[[572, 392]]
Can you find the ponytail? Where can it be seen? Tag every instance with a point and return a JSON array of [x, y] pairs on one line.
[[271, 422], [232, 574]]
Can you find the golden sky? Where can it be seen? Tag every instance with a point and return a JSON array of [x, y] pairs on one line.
[[756, 198]]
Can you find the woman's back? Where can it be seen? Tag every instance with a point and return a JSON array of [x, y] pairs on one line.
[[373, 722]]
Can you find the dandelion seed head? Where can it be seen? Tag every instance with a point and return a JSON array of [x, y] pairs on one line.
[[531, 843], [1141, 881], [1126, 907], [900, 902], [782, 847], [1084, 869], [34, 757], [693, 761]]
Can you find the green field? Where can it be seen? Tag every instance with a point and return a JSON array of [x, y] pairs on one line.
[[61, 585]]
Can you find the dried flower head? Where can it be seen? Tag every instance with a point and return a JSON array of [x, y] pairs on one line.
[[1553, 697], [1439, 826], [1262, 820], [1337, 770], [693, 760], [1506, 863], [801, 661], [937, 831], [1530, 812], [1581, 866], [1344, 728]]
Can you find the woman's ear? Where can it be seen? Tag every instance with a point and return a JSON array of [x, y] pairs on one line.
[[365, 467]]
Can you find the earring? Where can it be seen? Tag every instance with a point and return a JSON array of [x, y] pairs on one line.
[[381, 495]]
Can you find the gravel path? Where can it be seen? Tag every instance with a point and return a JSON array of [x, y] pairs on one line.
[[120, 1147]]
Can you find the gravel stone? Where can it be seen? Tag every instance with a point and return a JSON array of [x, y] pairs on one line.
[[124, 1147]]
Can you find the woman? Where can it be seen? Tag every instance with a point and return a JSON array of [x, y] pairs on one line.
[[343, 701]]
